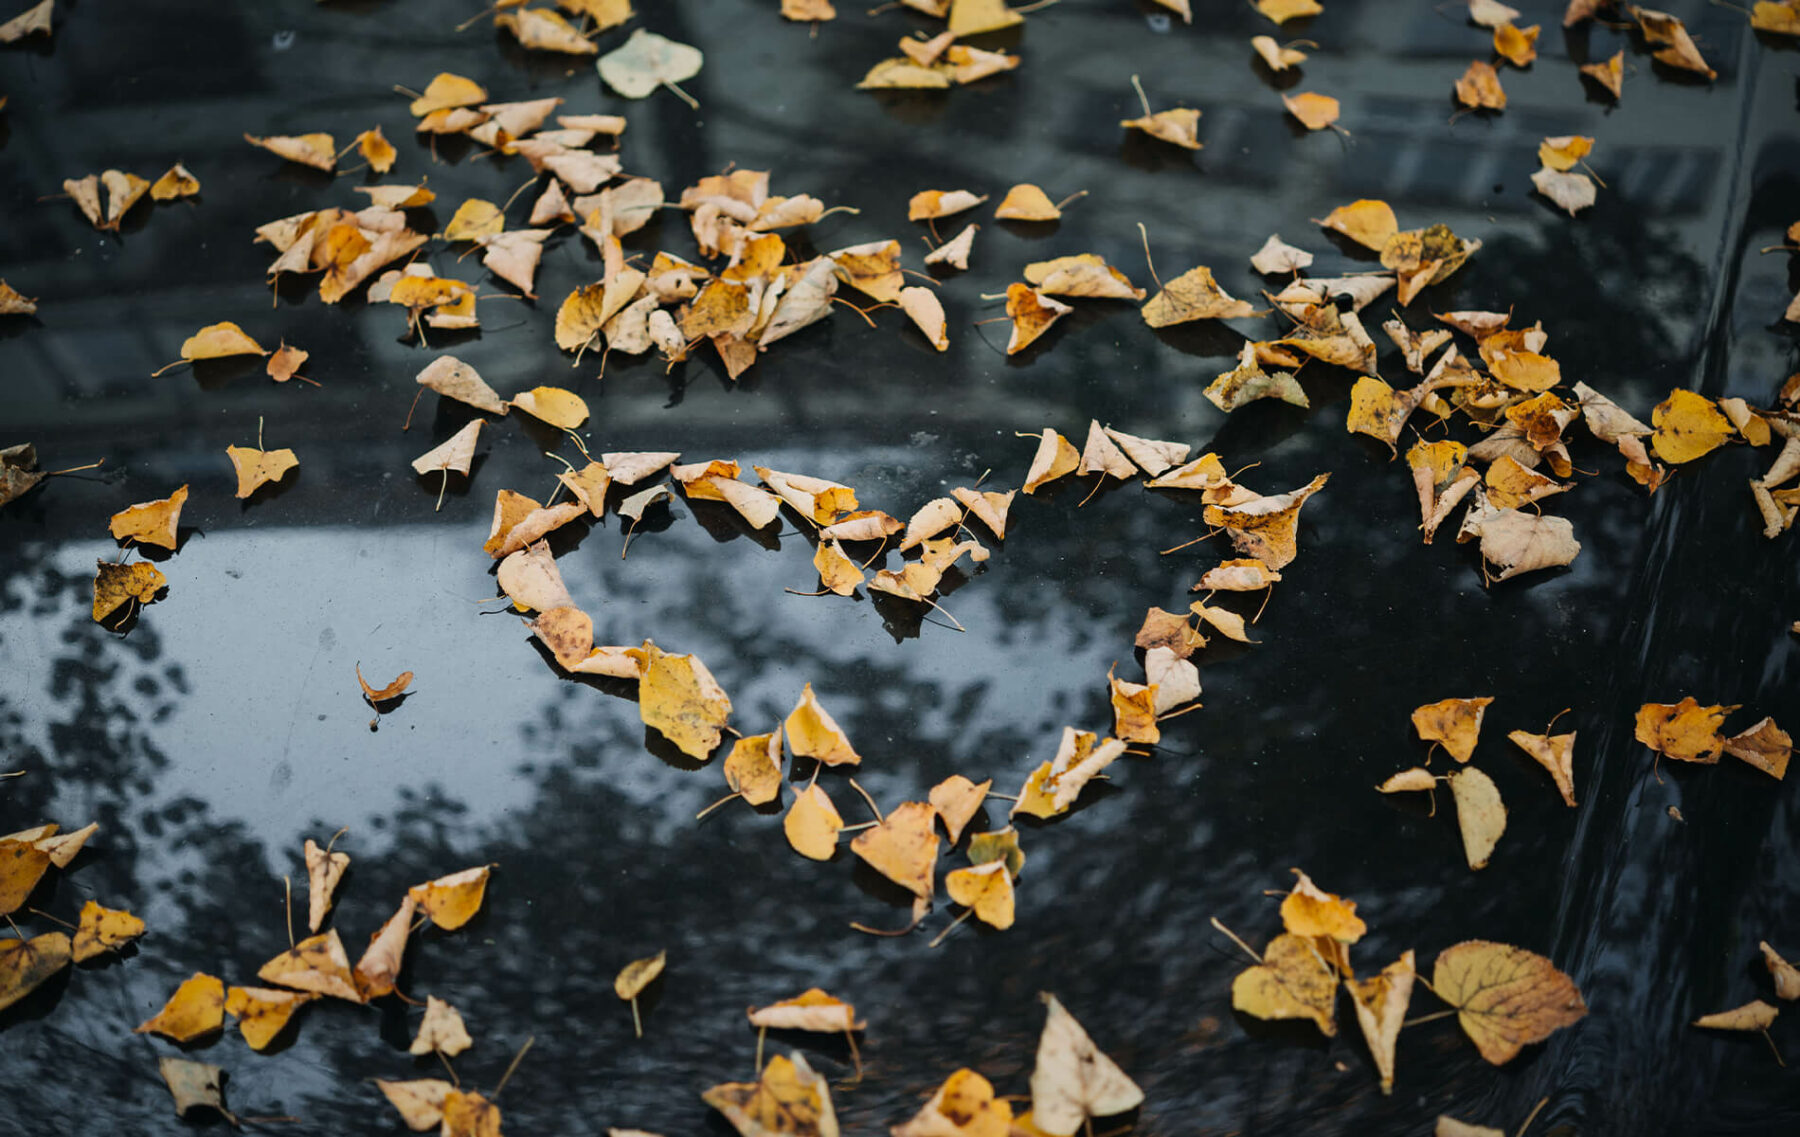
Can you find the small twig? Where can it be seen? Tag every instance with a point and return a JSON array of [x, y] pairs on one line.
[[1233, 937], [715, 805], [1195, 541], [1532, 1116], [1432, 1017], [288, 883], [48, 916], [953, 926], [873, 808], [517, 1058]]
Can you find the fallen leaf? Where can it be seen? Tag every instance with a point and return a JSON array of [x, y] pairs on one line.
[[1278, 58], [1491, 13], [964, 1106], [454, 379], [1248, 382], [562, 409], [1242, 575], [1687, 426], [324, 869], [1381, 1004], [263, 1012], [1456, 723], [1277, 255], [1084, 275], [1134, 711], [647, 61], [34, 20], [955, 251], [1315, 111], [1055, 457], [317, 964], [115, 584], [1505, 997], [1785, 974], [1518, 46], [1479, 87], [382, 694], [1685, 731], [194, 1084], [101, 930], [1480, 814], [1266, 527], [1664, 30], [1073, 1080], [1368, 222], [1031, 313], [197, 1007], [540, 29], [957, 800], [378, 970], [1609, 74], [1054, 786], [454, 453], [1293, 981], [1765, 746], [1756, 1015], [1451, 1127], [1194, 295], [1026, 202], [903, 847], [441, 1030], [1782, 18], [753, 768], [420, 1102], [176, 182], [1519, 542], [923, 307], [520, 521], [985, 889], [316, 150], [872, 268], [1571, 191], [787, 1100], [928, 204], [452, 901], [1100, 455], [811, 732], [1309, 911], [26, 963], [811, 1010], [679, 699], [150, 522], [1179, 126], [1555, 753], [257, 468], [14, 303], [468, 1114], [976, 17]]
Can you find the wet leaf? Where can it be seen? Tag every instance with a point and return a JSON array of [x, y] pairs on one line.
[[257, 468], [639, 974], [1278, 58], [196, 1008], [1026, 202], [316, 150], [1194, 295], [1785, 974], [540, 29], [263, 1012], [1055, 457], [986, 889], [788, 1100], [1519, 542], [1031, 313], [1480, 814], [420, 1102], [194, 1085], [1609, 73], [454, 453], [382, 694], [1685, 731], [1556, 754], [1571, 191], [1480, 88], [903, 847], [1381, 1003], [1687, 426], [1315, 111], [324, 869], [1309, 911], [1266, 527], [34, 20], [812, 824], [102, 930], [1505, 997], [26, 963], [317, 964], [452, 901], [441, 1030], [379, 968], [116, 584], [1293, 981], [1455, 723], [753, 768], [562, 409], [1073, 1079], [957, 800]]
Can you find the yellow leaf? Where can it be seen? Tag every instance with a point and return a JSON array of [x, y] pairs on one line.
[[382, 694], [447, 90], [812, 824], [1310, 911], [753, 768], [103, 930], [197, 1007], [837, 572], [1315, 111], [1055, 457], [964, 1106], [1266, 527], [1026, 202], [1368, 222], [473, 220], [811, 732], [177, 182], [1563, 152], [257, 468], [1785, 974], [639, 974], [379, 968], [1194, 295], [1685, 731], [1292, 982], [987, 889], [420, 1102], [1505, 997], [1610, 73], [975, 17], [559, 408], [1765, 746], [929, 204], [1480, 87], [316, 150], [903, 847], [317, 963], [323, 871], [1031, 313], [1518, 46], [1381, 1010], [375, 149], [1687, 426], [468, 1114], [1757, 1015], [218, 340], [1456, 723], [788, 1100], [194, 1084], [25, 963], [1281, 11], [540, 29], [998, 845], [957, 801], [114, 584], [680, 699], [452, 901], [262, 1012], [1134, 711], [1053, 787], [1555, 753]]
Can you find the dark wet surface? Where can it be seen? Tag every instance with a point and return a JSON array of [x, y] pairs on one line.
[[226, 726]]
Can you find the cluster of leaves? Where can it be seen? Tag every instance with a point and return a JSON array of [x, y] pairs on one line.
[[26, 857]]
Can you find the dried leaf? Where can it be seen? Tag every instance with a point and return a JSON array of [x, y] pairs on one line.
[[1073, 1080], [1381, 1004], [1756, 1015], [1505, 997], [26, 963], [115, 584], [976, 17], [1315, 111], [1685, 731], [382, 694], [1026, 202], [562, 409], [263, 1012], [101, 930], [928, 204], [1278, 58], [922, 305], [812, 824], [1368, 222], [811, 1010], [1194, 295], [176, 182], [1678, 50], [379, 968], [648, 61], [1277, 255], [1031, 313], [318, 964], [316, 150], [34, 20], [1571, 191], [452, 901], [540, 29], [1519, 542], [1785, 974], [420, 1102], [193, 1084], [1178, 125], [1609, 74], [1479, 87], [1480, 814], [150, 522], [1309, 911], [324, 869], [903, 847], [1687, 426], [454, 453], [1456, 723], [257, 468], [1555, 753], [1518, 46], [1266, 527], [788, 1100], [964, 1106], [1765, 746], [679, 698]]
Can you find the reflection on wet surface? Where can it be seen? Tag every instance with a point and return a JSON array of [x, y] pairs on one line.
[[226, 726]]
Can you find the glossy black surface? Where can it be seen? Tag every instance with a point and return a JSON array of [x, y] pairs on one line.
[[226, 726]]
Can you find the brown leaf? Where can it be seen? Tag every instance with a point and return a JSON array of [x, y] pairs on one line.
[[1505, 997]]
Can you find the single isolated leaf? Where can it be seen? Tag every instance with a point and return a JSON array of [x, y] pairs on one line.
[[194, 1084], [1505, 997], [1456, 723], [1609, 74], [927, 313], [452, 901], [1756, 1015], [1073, 1080], [998, 845], [35, 20], [928, 204], [1519, 542], [102, 930], [1179, 126], [454, 453], [1785, 974], [441, 1030], [679, 698], [1685, 731], [647, 61], [468, 1114], [378, 970], [540, 29], [176, 182], [1281, 11], [263, 1012], [955, 251], [15, 303], [811, 732], [377, 695], [1293, 981], [257, 468], [753, 768], [1277, 256], [1518, 46], [788, 1100], [1765, 746], [639, 974], [150, 522], [1555, 753], [1026, 202], [1479, 813], [1278, 58], [316, 150], [1368, 222], [1571, 191], [116, 584], [197, 1007], [811, 1010], [976, 17], [1315, 111], [1479, 87]]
